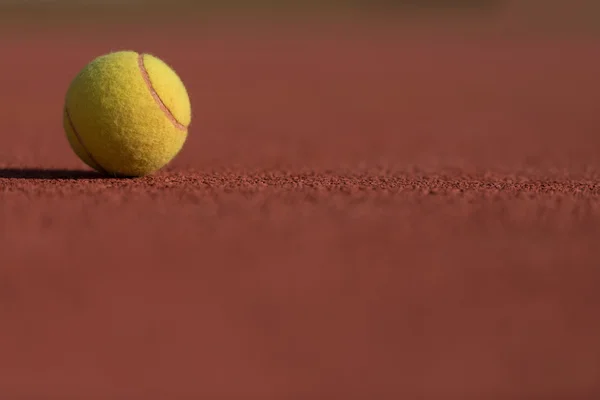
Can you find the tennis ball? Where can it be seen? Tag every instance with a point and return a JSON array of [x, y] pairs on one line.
[[127, 114]]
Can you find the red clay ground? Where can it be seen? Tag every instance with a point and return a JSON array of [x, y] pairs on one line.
[[359, 213]]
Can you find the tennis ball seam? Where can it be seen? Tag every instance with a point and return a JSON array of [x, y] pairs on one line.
[[155, 95], [78, 137]]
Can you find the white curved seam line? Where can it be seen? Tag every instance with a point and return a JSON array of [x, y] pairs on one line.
[[81, 143], [155, 95]]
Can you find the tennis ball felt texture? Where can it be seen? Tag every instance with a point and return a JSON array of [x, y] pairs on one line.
[[127, 114]]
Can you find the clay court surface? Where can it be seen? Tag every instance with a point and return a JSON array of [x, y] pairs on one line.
[[360, 212]]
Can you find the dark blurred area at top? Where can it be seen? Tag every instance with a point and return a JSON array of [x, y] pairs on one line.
[[47, 12], [554, 16]]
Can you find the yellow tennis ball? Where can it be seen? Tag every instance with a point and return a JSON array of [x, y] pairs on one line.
[[127, 114]]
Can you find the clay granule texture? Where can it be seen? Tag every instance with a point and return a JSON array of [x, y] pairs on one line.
[[357, 214]]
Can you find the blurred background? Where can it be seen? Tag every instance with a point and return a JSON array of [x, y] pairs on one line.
[[269, 71], [410, 232], [525, 14]]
